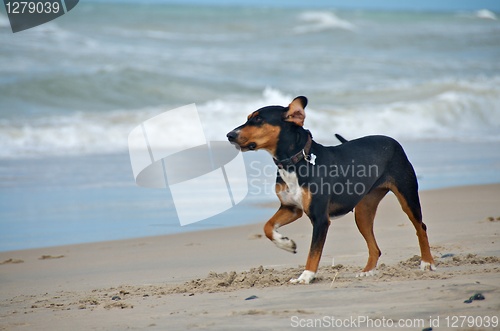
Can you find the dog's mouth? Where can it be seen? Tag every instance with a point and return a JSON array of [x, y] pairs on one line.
[[244, 148], [250, 147]]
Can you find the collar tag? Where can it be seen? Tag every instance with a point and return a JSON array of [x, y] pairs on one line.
[[310, 158], [313, 159]]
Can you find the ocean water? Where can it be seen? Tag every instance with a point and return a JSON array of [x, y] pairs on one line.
[[72, 90]]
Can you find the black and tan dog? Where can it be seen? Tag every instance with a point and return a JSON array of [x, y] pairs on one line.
[[331, 181]]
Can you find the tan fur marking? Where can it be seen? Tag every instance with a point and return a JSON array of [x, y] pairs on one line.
[[306, 200], [313, 260], [255, 113], [283, 216], [264, 136]]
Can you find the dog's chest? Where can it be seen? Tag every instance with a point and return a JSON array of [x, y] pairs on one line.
[[292, 195]]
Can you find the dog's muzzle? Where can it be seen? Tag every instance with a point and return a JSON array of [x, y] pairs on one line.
[[233, 137]]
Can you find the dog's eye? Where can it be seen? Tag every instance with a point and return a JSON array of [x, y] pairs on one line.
[[257, 119]]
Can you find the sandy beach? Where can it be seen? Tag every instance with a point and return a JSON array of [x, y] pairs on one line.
[[235, 279]]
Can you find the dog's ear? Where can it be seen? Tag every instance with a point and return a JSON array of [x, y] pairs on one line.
[[296, 113]]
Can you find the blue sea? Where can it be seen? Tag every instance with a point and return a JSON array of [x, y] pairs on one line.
[[72, 90]]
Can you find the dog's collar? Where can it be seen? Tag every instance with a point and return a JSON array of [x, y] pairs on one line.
[[303, 154]]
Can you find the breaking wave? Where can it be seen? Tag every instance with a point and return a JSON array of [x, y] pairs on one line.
[[457, 111], [318, 21]]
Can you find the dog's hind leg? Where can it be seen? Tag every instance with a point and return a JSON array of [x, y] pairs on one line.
[[284, 216], [364, 213], [407, 194]]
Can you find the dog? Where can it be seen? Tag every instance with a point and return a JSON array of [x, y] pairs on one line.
[[330, 181]]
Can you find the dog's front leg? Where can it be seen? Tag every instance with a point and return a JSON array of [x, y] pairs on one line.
[[320, 230], [284, 216]]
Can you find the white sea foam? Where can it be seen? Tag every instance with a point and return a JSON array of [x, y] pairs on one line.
[[448, 116], [486, 14], [320, 21], [107, 132], [457, 111]]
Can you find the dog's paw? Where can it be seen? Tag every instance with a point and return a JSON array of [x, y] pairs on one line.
[[366, 273], [285, 243], [305, 278], [427, 266]]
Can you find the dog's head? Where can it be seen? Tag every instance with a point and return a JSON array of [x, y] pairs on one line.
[[263, 127]]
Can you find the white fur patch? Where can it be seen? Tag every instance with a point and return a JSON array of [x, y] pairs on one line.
[[292, 196], [366, 273], [427, 266], [305, 278], [284, 242]]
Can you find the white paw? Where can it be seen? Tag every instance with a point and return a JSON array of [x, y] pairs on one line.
[[305, 278], [427, 266], [366, 273], [284, 243]]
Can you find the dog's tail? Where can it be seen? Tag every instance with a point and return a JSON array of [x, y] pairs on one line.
[[340, 138]]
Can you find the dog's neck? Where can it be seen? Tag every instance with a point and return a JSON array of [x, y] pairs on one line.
[[292, 140]]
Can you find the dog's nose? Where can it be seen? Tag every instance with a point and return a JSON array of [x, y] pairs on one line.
[[231, 136]]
